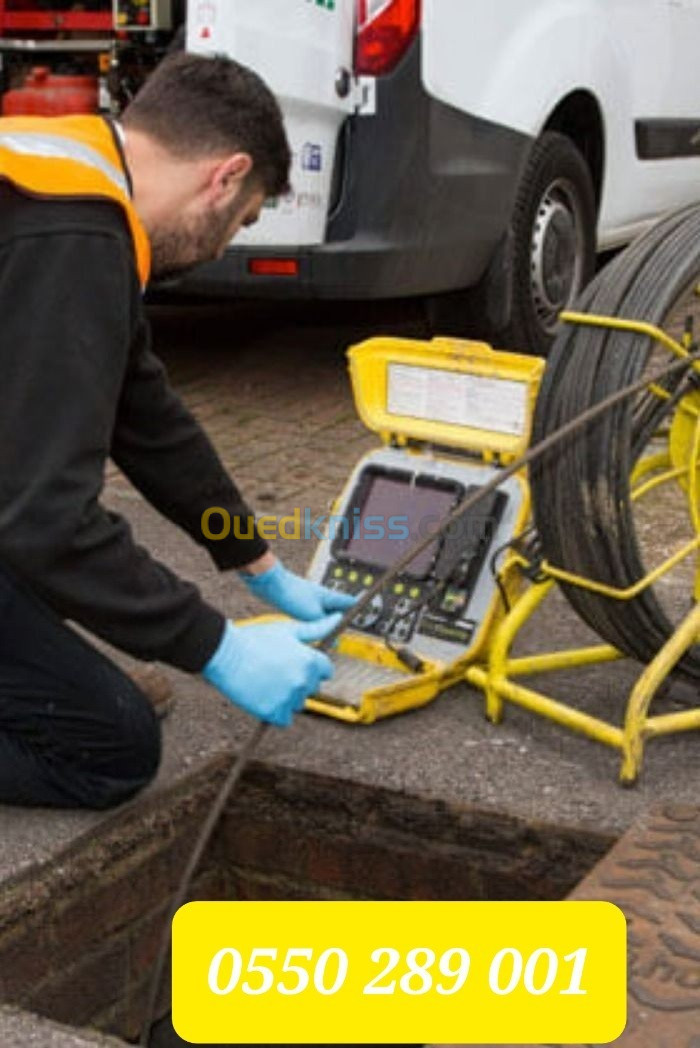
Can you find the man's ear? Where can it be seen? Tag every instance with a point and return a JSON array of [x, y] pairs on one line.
[[229, 175]]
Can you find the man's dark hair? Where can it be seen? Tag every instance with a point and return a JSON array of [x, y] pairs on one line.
[[198, 106]]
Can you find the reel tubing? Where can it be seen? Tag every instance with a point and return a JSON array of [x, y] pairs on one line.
[[583, 491]]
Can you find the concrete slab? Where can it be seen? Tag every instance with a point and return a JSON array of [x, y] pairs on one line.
[[24, 1030]]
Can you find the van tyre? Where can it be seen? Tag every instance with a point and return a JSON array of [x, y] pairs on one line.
[[545, 259], [553, 232]]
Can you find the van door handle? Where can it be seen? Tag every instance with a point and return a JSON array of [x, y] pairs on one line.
[[343, 82]]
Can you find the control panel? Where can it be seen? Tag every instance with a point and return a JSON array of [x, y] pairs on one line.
[[392, 614], [143, 15], [450, 415], [433, 598]]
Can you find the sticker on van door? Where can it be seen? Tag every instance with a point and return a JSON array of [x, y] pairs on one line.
[[312, 157], [206, 18]]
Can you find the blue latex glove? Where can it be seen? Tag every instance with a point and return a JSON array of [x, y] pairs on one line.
[[295, 596], [269, 670]]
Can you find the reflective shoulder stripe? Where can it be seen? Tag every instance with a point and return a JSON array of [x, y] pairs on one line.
[[71, 156], [58, 147]]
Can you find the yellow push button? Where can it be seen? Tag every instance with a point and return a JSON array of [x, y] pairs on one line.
[[338, 573], [414, 593], [399, 589], [353, 576], [368, 580]]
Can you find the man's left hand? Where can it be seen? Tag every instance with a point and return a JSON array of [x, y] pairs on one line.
[[296, 596]]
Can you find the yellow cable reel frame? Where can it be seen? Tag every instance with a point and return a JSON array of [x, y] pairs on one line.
[[497, 676]]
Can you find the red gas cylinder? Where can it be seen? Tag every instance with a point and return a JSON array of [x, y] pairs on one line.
[[46, 94]]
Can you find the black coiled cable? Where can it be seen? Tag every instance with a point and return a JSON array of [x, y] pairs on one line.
[[581, 490]]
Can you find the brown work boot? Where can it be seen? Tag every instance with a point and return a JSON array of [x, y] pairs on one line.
[[155, 686]]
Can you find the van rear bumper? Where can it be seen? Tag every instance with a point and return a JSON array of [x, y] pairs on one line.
[[423, 197], [349, 270]]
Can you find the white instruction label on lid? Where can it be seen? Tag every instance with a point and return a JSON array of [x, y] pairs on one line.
[[493, 404]]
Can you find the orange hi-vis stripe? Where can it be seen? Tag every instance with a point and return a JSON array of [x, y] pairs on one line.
[[73, 156]]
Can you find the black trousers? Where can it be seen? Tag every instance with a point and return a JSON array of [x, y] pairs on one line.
[[75, 732]]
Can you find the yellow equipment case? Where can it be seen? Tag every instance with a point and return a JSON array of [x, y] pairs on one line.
[[449, 415]]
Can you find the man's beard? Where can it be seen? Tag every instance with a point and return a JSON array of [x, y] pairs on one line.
[[180, 248]]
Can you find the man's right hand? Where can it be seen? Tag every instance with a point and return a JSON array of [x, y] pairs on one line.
[[269, 670]]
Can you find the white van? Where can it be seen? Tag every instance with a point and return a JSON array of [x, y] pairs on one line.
[[487, 149]]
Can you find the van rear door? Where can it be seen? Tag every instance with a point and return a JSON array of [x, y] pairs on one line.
[[303, 49]]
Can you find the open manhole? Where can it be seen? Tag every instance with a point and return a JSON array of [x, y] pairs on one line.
[[81, 951]]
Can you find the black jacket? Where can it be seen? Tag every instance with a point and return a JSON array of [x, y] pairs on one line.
[[79, 383]]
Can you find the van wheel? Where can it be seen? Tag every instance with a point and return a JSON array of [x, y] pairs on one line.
[[545, 261], [553, 240]]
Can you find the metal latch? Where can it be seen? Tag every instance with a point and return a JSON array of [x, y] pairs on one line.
[[360, 91], [365, 95]]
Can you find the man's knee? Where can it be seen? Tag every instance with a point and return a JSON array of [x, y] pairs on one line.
[[139, 754], [101, 774], [146, 743]]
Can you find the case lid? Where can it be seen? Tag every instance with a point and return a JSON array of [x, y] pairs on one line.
[[448, 392]]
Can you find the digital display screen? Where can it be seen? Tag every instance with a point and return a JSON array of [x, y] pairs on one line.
[[395, 516]]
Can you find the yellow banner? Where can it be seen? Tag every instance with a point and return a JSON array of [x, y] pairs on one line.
[[389, 972]]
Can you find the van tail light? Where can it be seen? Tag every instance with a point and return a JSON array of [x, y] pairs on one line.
[[273, 267], [385, 30]]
